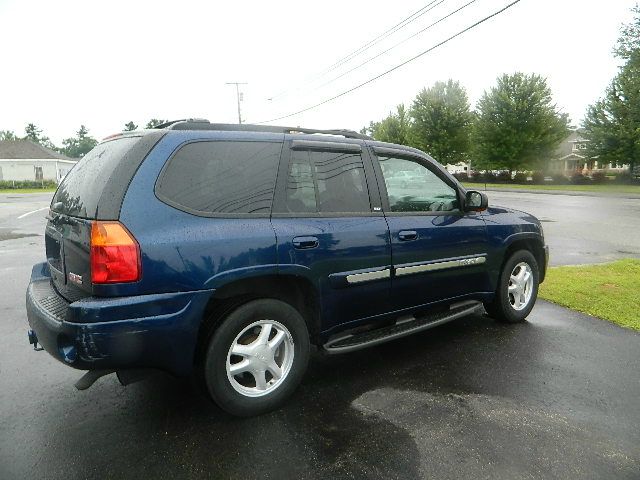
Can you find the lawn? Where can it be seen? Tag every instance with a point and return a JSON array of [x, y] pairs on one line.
[[610, 291], [566, 188], [26, 190]]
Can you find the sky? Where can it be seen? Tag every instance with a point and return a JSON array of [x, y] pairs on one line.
[[102, 64]]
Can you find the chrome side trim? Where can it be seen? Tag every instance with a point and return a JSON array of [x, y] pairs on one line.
[[431, 267], [365, 277]]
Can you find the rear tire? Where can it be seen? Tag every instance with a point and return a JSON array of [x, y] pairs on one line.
[[517, 289], [257, 357]]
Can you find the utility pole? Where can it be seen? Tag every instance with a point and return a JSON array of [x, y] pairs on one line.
[[238, 96]]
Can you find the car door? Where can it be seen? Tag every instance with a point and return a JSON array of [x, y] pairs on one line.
[[439, 251], [330, 228]]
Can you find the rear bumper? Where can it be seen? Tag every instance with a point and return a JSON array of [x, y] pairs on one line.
[[146, 331]]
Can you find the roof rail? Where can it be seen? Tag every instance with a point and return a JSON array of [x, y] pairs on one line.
[[170, 123], [203, 124]]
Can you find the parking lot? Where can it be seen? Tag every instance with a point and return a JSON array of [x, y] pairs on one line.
[[555, 397]]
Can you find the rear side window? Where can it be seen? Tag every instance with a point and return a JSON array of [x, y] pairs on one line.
[[326, 182], [221, 177], [80, 192]]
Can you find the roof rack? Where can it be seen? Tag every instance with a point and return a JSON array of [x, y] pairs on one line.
[[203, 124]]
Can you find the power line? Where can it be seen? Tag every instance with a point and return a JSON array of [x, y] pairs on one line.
[[396, 45], [470, 27], [398, 26], [384, 35]]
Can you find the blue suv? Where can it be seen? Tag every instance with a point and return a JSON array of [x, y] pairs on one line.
[[225, 251]]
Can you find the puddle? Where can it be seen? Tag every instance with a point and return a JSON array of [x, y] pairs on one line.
[[458, 435], [6, 234]]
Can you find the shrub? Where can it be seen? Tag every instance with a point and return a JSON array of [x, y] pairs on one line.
[[537, 178], [474, 176], [461, 176], [579, 179], [503, 177], [559, 179], [489, 177], [598, 177], [624, 178], [15, 184], [520, 178]]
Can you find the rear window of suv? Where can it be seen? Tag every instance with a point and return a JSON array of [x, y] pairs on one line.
[[80, 192], [326, 182], [221, 177]]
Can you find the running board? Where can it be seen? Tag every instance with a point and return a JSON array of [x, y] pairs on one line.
[[404, 326]]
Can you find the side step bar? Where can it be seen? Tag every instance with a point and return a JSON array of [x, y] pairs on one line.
[[403, 327]]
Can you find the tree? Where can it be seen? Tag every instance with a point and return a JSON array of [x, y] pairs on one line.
[[517, 126], [130, 127], [629, 41], [393, 129], [154, 122], [80, 145], [442, 122], [612, 124], [34, 134], [7, 135]]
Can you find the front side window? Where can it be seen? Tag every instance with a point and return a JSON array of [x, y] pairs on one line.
[[411, 187], [326, 182], [221, 177]]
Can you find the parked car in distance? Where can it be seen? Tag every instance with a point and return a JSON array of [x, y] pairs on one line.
[[226, 251]]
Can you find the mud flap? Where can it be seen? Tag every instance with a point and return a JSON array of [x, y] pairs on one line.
[[90, 378]]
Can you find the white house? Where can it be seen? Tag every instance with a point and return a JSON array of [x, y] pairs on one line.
[[26, 160], [570, 157], [457, 168]]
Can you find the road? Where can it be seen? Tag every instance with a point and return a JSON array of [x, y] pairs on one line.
[[581, 229], [555, 397]]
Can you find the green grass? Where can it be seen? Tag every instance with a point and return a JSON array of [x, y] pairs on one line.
[[26, 190], [566, 188], [610, 291]]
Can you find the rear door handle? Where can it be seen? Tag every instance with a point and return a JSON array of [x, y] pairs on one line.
[[303, 243], [407, 235]]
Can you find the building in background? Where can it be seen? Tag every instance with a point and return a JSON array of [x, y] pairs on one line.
[[458, 168], [22, 160], [570, 157]]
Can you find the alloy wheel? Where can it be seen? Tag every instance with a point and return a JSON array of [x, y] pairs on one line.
[[260, 358], [520, 286]]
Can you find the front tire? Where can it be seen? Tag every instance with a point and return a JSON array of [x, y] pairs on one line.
[[257, 357], [517, 289]]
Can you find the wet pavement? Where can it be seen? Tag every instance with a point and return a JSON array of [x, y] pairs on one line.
[[581, 229], [555, 397]]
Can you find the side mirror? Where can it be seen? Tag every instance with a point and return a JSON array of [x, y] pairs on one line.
[[475, 201]]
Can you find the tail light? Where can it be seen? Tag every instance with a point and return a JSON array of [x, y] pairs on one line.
[[115, 254]]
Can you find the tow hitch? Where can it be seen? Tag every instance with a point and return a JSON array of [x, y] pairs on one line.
[[33, 340]]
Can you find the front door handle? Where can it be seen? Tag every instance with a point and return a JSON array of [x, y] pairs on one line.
[[407, 235], [303, 243]]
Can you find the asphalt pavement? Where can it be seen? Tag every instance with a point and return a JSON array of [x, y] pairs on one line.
[[581, 229], [554, 397]]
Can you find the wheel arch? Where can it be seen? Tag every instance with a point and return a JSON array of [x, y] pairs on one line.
[[297, 291], [527, 241]]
